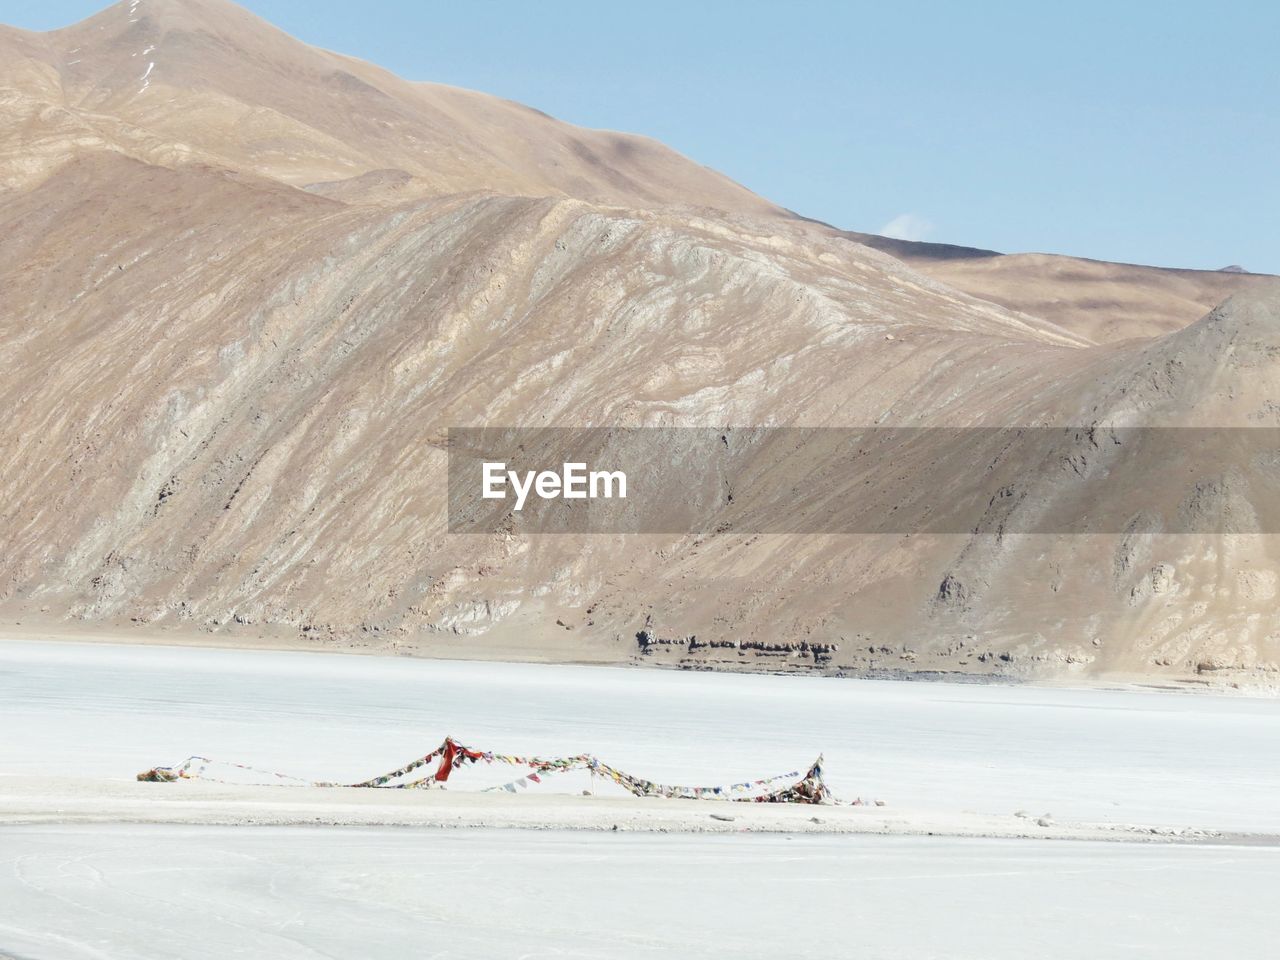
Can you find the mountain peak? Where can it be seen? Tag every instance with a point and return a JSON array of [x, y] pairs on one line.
[[239, 93], [195, 14], [158, 21]]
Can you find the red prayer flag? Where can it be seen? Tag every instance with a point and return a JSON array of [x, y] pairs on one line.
[[446, 762]]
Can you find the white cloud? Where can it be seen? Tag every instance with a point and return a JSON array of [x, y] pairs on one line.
[[907, 226]]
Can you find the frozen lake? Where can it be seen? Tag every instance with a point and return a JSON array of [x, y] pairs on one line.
[[111, 711], [81, 892], [129, 893]]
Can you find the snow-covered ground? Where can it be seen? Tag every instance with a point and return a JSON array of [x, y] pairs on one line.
[[91, 716], [1134, 757], [305, 892]]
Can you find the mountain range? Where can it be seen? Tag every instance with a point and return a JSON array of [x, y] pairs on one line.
[[250, 285]]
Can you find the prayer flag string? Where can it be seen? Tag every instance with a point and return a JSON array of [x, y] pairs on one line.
[[794, 787]]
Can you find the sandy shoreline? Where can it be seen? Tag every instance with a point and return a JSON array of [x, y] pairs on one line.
[[447, 648], [47, 800], [472, 649]]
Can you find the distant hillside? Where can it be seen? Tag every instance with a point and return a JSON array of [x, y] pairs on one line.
[[1102, 301]]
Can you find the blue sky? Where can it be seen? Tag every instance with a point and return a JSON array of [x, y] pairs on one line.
[[1144, 132]]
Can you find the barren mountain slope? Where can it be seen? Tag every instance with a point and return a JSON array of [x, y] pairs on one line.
[[1200, 601], [239, 375], [228, 396]]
